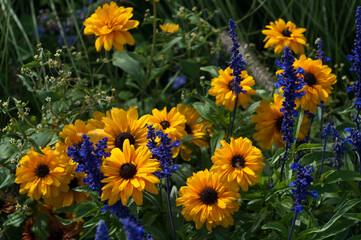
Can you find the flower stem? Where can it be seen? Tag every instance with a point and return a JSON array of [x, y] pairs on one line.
[[357, 121], [284, 157], [323, 157], [170, 209], [153, 44], [233, 116], [321, 106], [293, 225]]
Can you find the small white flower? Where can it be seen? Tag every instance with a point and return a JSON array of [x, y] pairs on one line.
[[48, 99]]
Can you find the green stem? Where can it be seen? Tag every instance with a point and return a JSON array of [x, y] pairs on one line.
[[153, 47]]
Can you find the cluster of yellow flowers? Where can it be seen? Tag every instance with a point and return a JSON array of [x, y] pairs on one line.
[[52, 176]]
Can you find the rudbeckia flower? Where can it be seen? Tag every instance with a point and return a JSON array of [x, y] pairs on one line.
[[207, 200], [319, 80], [280, 34], [43, 175], [127, 173], [111, 24], [238, 163], [172, 123], [222, 89], [195, 129], [120, 125], [268, 119], [169, 27]]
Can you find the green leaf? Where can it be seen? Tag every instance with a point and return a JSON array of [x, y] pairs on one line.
[[15, 219], [259, 218], [217, 136], [190, 67], [6, 178], [25, 83], [343, 175], [337, 228], [156, 72], [298, 126], [170, 44], [309, 146], [44, 138], [31, 64], [85, 209], [314, 157], [129, 65], [213, 70], [347, 206], [35, 146], [276, 226], [41, 227]]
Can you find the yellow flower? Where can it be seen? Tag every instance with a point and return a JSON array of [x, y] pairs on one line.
[[238, 162], [111, 24], [70, 197], [206, 200], [127, 173], [268, 119], [96, 121], [172, 123], [194, 129], [280, 34], [222, 89], [169, 27], [121, 125], [319, 80], [42, 175], [72, 133]]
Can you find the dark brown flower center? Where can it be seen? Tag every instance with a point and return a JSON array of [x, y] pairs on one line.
[[42, 171], [279, 122], [238, 161], [209, 196], [286, 32], [119, 140], [310, 79], [188, 129], [165, 124], [231, 85], [73, 183], [127, 170]]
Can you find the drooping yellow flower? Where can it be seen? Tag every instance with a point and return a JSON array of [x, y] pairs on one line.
[[43, 175], [96, 121], [70, 197], [172, 123], [268, 119], [222, 89], [280, 34], [319, 80], [207, 200], [238, 163], [194, 129], [127, 173], [121, 125], [72, 134], [169, 27], [111, 24]]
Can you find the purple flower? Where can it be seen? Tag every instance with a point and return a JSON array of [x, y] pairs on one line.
[[320, 52], [163, 152], [291, 85], [356, 59], [237, 64], [102, 231], [178, 81], [304, 179]]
